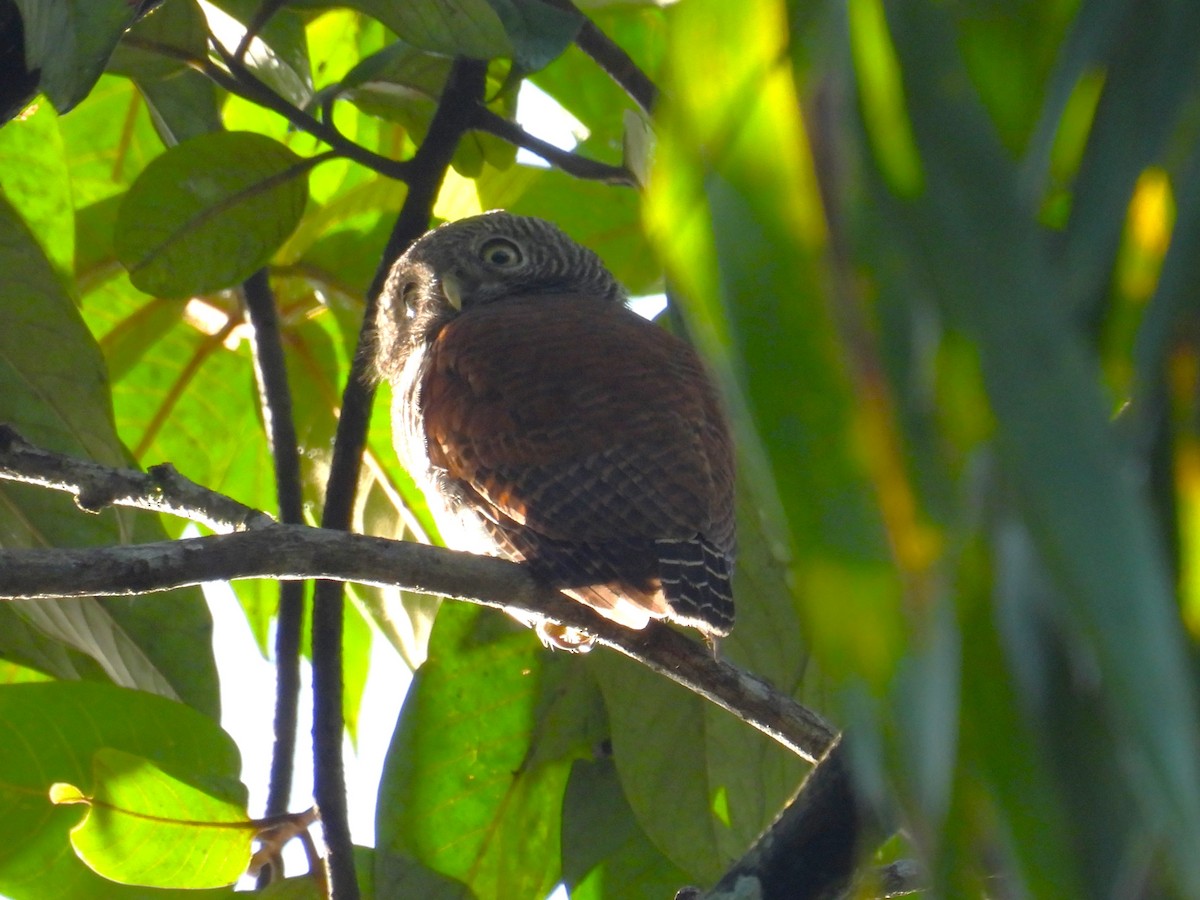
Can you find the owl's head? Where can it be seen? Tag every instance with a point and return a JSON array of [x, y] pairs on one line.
[[476, 261]]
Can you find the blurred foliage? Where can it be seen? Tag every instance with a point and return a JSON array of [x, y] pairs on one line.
[[943, 258]]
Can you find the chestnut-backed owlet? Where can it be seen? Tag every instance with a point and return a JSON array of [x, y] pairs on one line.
[[549, 424]]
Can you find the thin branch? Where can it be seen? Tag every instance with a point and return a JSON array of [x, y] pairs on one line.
[[95, 486], [573, 164], [299, 552], [256, 90], [618, 65], [240, 81], [464, 88], [275, 399], [454, 116], [609, 56], [261, 16]]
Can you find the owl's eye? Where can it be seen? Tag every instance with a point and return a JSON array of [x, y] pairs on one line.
[[501, 253], [408, 298]]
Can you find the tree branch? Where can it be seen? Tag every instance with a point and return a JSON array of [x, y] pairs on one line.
[[618, 64], [240, 81], [95, 486], [290, 552], [275, 399], [609, 56], [573, 164], [464, 88], [824, 828]]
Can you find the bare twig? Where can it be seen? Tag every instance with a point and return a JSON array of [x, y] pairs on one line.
[[275, 832], [618, 64], [95, 486]]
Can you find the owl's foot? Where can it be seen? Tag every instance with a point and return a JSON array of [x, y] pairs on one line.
[[564, 637]]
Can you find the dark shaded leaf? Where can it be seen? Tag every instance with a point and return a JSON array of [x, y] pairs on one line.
[[70, 43]]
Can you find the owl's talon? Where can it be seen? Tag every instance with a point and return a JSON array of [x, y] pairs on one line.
[[564, 637]]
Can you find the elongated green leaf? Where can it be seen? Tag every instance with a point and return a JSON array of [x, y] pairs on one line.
[[208, 213], [1138, 107], [725, 781], [1092, 524], [54, 384]]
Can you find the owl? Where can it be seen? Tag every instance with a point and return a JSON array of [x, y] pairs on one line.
[[549, 424]]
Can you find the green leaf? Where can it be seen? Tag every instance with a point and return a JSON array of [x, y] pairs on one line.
[[539, 32], [182, 101], [1091, 519], [71, 42], [180, 26], [181, 654], [54, 384], [147, 827], [109, 140], [210, 212], [451, 27], [474, 779], [1140, 104], [605, 852], [400, 82], [33, 177], [95, 261], [49, 733], [54, 390], [701, 783], [183, 106], [749, 268]]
